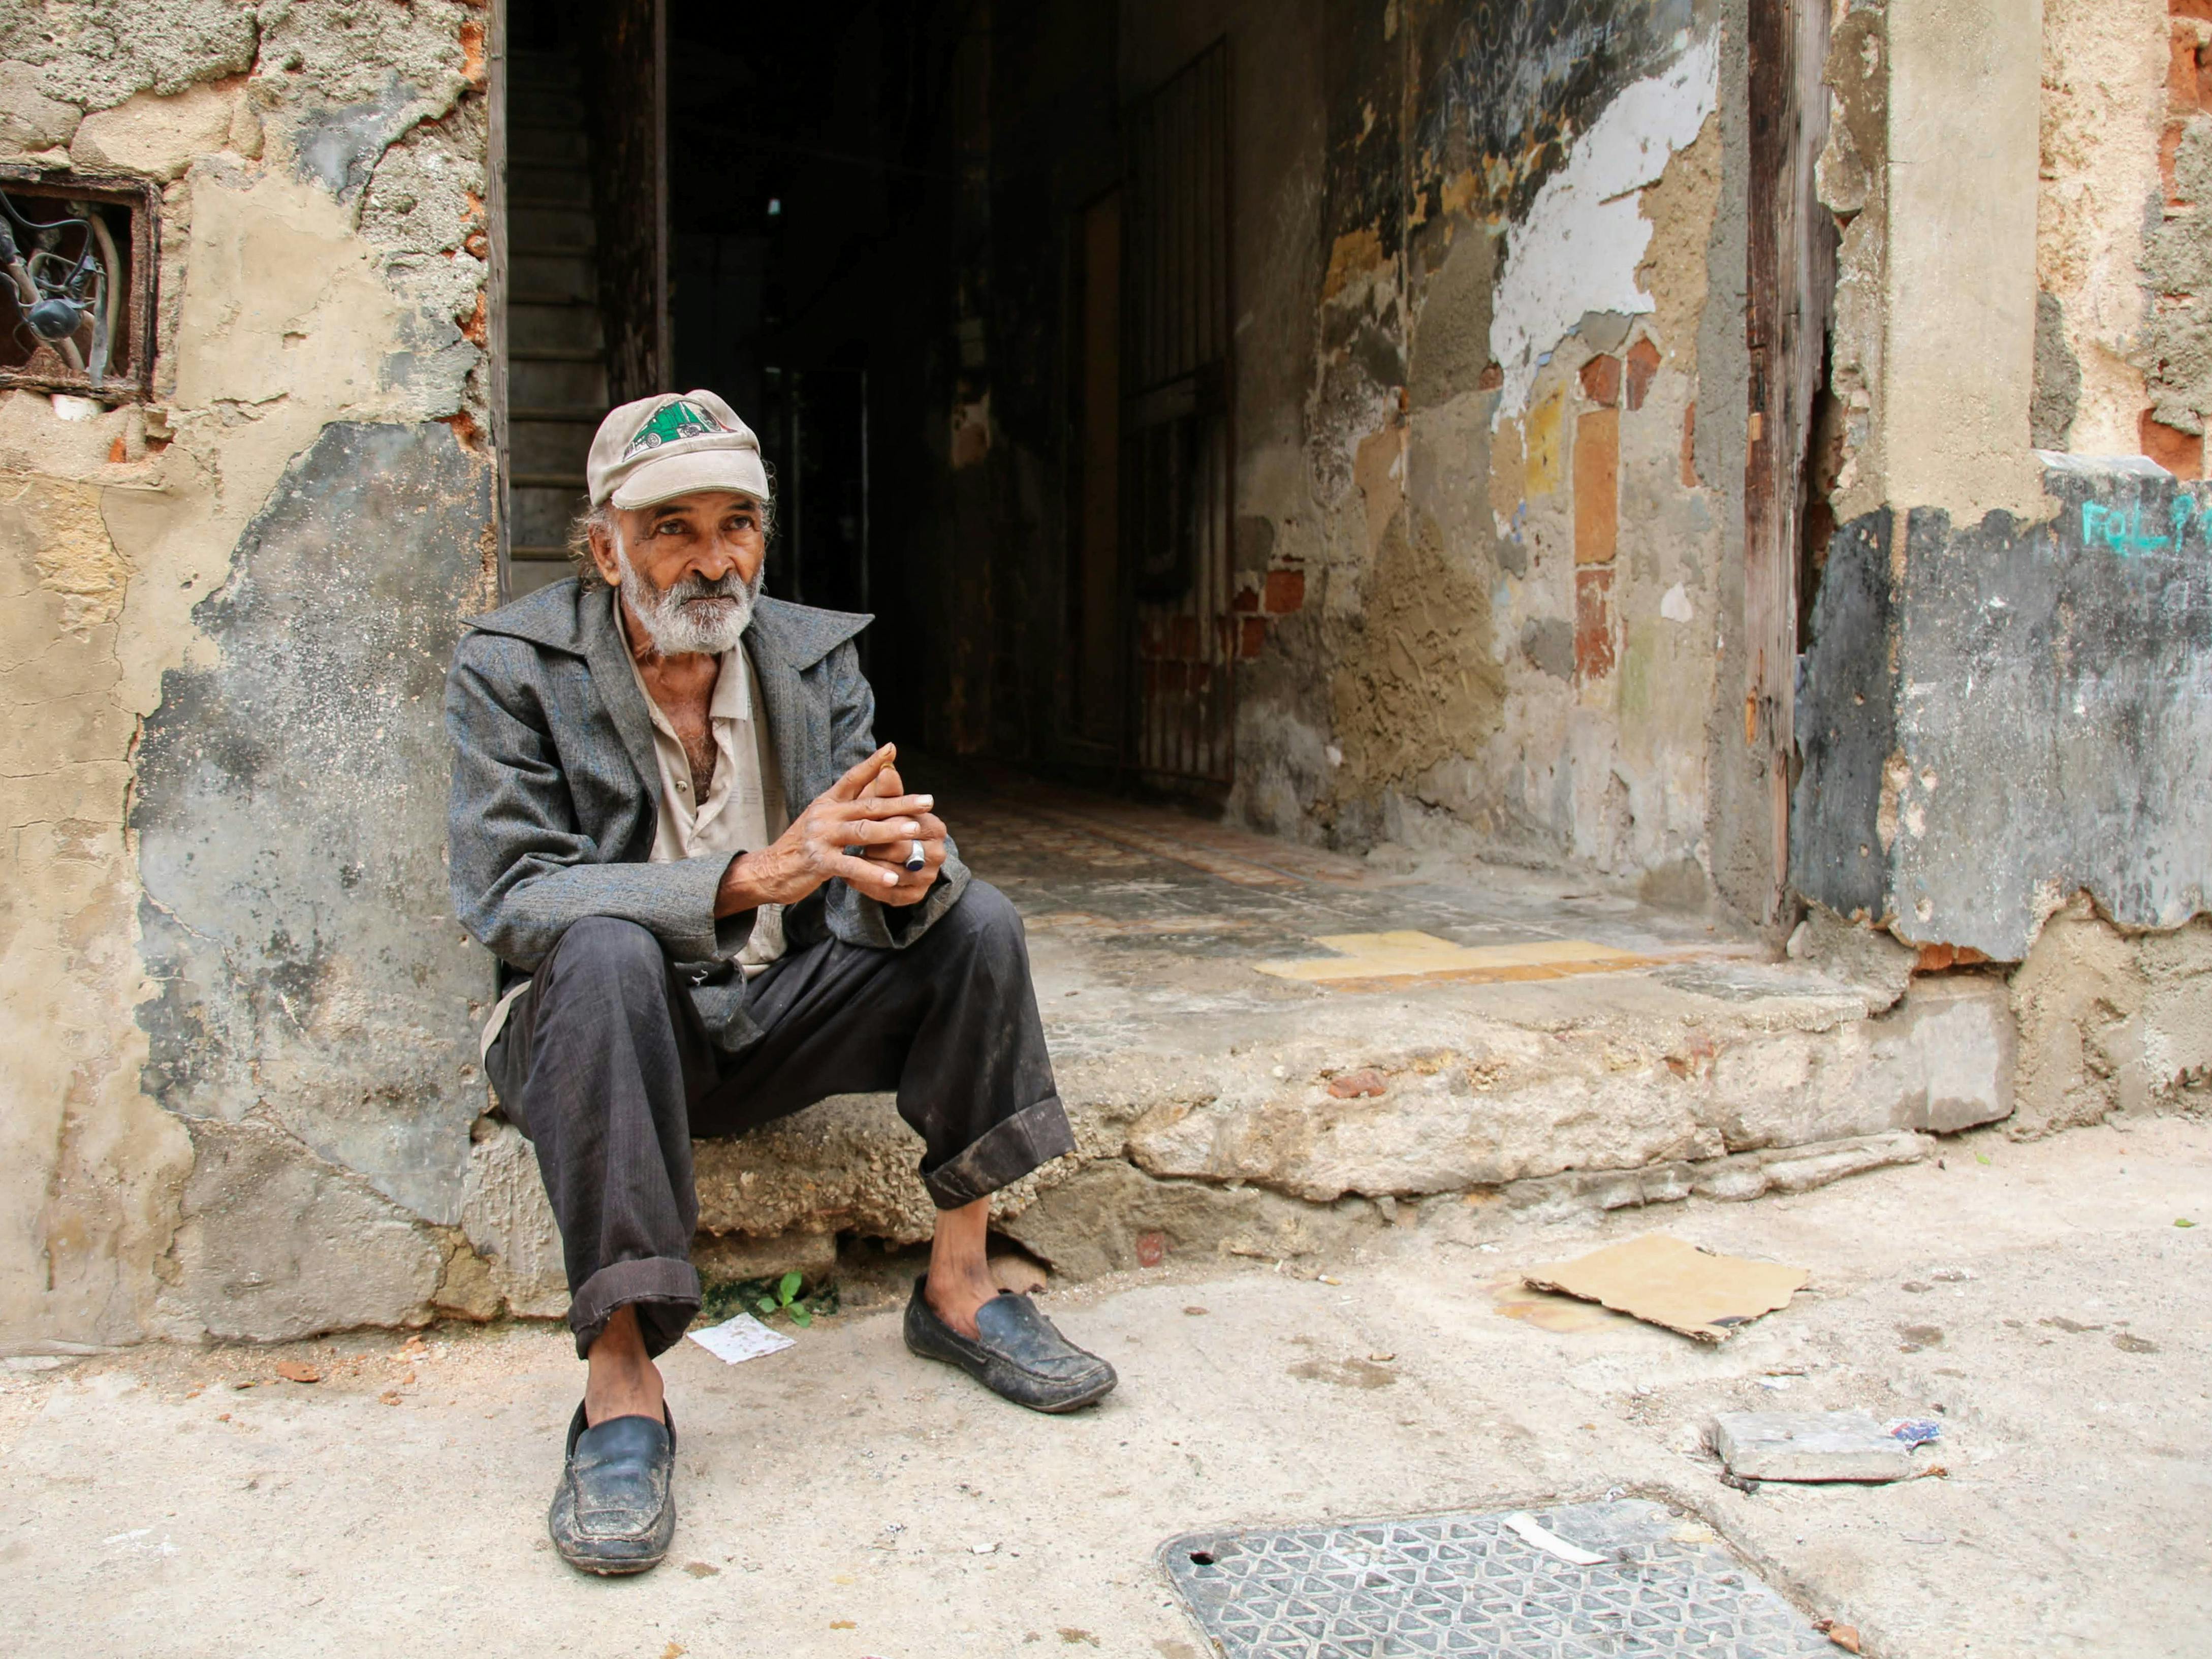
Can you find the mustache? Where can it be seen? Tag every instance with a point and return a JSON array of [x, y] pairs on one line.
[[729, 586]]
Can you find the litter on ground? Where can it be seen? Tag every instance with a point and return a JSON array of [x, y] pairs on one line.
[[1664, 1281], [1810, 1446], [740, 1339]]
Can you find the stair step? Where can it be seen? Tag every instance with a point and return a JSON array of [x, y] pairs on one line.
[[535, 552]]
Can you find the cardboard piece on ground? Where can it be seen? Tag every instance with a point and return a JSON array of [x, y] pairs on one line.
[[740, 1339], [1809, 1446], [1663, 1281]]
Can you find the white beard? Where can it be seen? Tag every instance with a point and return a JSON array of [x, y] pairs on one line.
[[695, 615]]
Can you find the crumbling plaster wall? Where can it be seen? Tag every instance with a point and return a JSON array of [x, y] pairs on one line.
[[2004, 723], [262, 568], [1490, 549]]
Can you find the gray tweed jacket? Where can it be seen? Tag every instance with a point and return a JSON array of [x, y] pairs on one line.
[[555, 790]]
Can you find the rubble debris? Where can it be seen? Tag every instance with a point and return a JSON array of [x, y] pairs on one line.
[[1665, 1281], [1915, 1431], [293, 1371], [1810, 1446], [1365, 1082]]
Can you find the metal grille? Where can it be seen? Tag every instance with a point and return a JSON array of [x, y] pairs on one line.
[[1176, 429], [1467, 1584]]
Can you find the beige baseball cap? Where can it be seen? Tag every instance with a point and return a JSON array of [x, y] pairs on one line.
[[669, 445]]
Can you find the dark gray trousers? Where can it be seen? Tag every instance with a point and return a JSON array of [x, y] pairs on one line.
[[604, 1064]]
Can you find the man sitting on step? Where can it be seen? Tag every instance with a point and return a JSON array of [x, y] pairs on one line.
[[679, 956]]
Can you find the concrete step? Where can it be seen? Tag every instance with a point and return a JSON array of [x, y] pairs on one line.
[[1251, 1035], [549, 229], [567, 327], [525, 577], [533, 384], [541, 144], [543, 277], [544, 446], [552, 184], [539, 517]]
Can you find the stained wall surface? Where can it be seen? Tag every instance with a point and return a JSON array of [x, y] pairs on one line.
[[1492, 409], [1484, 537], [2008, 676], [238, 1094]]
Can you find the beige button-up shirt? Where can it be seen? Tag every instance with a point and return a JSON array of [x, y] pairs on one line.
[[743, 811]]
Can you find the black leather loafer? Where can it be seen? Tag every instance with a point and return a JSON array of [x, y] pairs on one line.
[[615, 1511], [1019, 1355]]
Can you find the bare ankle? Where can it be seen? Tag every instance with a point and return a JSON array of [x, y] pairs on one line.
[[622, 1381]]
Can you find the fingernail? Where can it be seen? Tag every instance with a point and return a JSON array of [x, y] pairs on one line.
[[927, 801], [890, 878]]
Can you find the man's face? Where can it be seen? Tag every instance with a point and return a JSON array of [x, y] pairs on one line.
[[693, 565]]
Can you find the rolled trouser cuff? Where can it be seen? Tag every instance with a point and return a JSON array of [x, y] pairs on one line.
[[664, 1291], [1006, 1151]]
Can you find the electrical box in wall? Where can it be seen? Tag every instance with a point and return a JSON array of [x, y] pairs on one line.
[[78, 256]]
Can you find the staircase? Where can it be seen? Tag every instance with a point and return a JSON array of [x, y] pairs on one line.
[[557, 375]]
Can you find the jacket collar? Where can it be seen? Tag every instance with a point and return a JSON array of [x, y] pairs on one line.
[[783, 640], [561, 617]]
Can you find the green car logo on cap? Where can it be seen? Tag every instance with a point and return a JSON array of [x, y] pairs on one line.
[[671, 421]]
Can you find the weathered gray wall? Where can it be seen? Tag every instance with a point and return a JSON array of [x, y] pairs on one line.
[[2046, 728], [242, 1100], [289, 813]]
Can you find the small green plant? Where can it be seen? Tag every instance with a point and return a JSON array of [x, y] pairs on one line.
[[724, 1296], [784, 1299]]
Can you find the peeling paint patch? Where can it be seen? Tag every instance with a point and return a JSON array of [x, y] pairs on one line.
[[337, 149], [1577, 247]]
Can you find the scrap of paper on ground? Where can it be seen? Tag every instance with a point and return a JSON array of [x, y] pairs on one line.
[[1665, 1282], [742, 1338]]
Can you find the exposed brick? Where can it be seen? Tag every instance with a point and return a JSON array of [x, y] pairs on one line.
[[2181, 67], [1494, 377], [1597, 486], [2169, 146], [1151, 1248], [1287, 592], [1248, 598], [1594, 622], [2181, 453], [1935, 958], [472, 53], [1183, 641], [1642, 366], [1254, 636], [2197, 9], [1690, 446], [1601, 380]]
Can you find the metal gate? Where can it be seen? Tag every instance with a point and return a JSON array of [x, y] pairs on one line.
[[1177, 433]]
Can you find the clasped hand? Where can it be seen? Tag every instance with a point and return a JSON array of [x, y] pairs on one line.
[[860, 829]]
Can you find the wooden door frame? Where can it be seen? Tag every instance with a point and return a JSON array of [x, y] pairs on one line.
[[1789, 269]]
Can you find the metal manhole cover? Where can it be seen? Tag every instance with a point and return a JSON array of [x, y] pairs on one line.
[[1469, 1584]]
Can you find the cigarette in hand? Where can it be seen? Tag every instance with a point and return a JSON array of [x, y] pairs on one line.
[[915, 859]]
